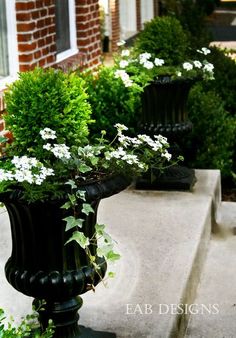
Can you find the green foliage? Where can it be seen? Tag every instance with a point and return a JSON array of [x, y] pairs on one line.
[[225, 78], [192, 15], [165, 38], [46, 98], [111, 101], [214, 131], [29, 327]]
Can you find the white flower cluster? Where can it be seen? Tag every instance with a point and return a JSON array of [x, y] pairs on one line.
[[204, 51], [120, 73], [47, 134], [206, 66], [59, 150], [158, 144], [26, 169], [145, 60], [121, 154]]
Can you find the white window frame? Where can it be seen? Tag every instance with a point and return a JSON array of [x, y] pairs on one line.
[[73, 36], [147, 11], [12, 44], [128, 18]]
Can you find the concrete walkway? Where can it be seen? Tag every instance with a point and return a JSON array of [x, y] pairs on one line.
[[218, 282]]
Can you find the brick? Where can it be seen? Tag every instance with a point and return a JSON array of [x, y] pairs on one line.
[[24, 37], [25, 27], [42, 63], [23, 16], [37, 54], [39, 3], [26, 47], [23, 6], [25, 57], [35, 14]]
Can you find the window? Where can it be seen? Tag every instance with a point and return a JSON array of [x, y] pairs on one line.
[[65, 29], [4, 64], [8, 42], [147, 11], [128, 20]]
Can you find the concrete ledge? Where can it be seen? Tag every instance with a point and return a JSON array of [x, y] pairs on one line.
[[163, 239]]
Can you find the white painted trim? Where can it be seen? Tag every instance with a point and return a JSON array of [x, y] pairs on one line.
[[12, 44], [73, 36], [5, 81]]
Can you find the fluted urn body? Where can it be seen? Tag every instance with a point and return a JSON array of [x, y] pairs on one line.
[[42, 266], [164, 111]]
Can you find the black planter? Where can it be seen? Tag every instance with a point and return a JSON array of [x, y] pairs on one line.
[[42, 266], [164, 112]]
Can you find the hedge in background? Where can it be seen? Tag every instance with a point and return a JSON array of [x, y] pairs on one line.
[[111, 101], [165, 38], [214, 132]]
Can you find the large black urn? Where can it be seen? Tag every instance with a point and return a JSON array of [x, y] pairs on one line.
[[42, 266], [164, 112]]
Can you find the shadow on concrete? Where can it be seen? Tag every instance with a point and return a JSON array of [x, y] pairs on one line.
[[89, 333]]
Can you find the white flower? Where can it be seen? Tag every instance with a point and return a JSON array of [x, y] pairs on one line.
[[161, 139], [123, 63], [125, 52], [121, 43], [47, 146], [47, 133], [178, 74], [204, 51], [120, 127], [208, 67], [61, 151], [5, 175], [187, 66], [144, 57], [197, 64], [148, 65], [130, 159], [167, 155], [120, 73], [159, 62]]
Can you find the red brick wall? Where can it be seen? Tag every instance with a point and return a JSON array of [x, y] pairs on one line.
[[88, 30], [36, 33], [115, 23], [156, 7], [138, 14]]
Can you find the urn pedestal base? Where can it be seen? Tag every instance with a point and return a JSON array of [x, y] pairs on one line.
[[174, 178]]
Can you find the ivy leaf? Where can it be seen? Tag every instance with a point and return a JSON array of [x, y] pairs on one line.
[[72, 222], [72, 184], [87, 209], [81, 194], [94, 160], [84, 168], [112, 256], [80, 238], [66, 206], [72, 199], [99, 229], [102, 251], [111, 274]]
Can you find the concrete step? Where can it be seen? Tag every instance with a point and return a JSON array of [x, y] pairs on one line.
[[218, 281], [163, 239]]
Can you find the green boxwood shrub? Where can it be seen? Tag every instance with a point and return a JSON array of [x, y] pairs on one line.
[[225, 78], [111, 101], [214, 132], [46, 98], [163, 37]]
